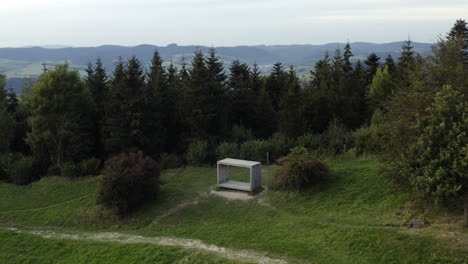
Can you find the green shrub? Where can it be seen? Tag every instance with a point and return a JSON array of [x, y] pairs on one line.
[[369, 139], [90, 167], [169, 161], [227, 150], [299, 171], [336, 139], [255, 150], [70, 170], [129, 180], [17, 168], [280, 146], [436, 164], [299, 150], [310, 141], [4, 164], [197, 153], [84, 168]]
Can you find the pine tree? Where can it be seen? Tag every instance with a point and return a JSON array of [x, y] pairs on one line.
[[290, 116], [390, 63], [217, 96], [157, 107], [205, 102], [173, 117], [215, 68], [97, 83], [256, 81], [7, 123], [347, 65], [459, 31], [156, 75], [265, 117], [360, 79], [407, 64], [276, 85], [3, 91], [318, 107], [372, 64], [242, 95], [124, 131]]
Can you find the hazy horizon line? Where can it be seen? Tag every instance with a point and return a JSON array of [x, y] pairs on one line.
[[63, 46]]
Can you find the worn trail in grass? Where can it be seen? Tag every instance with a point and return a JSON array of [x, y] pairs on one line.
[[237, 255]]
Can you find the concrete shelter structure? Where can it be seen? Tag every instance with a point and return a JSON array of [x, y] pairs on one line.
[[255, 174]]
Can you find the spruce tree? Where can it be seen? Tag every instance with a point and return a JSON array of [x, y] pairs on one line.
[[459, 31], [390, 63], [7, 123], [217, 96], [290, 116], [372, 64], [173, 117], [97, 82], [241, 94], [407, 64], [256, 80], [360, 79], [135, 86], [205, 102], [347, 65], [276, 85], [157, 107], [124, 131], [265, 116]]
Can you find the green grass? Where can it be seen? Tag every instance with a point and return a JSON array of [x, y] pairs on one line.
[[24, 248], [355, 218]]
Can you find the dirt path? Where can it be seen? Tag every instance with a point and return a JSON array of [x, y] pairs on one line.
[[232, 254]]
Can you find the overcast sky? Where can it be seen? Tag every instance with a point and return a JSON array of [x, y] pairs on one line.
[[223, 22]]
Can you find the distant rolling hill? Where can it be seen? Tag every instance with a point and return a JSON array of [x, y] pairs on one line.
[[18, 63]]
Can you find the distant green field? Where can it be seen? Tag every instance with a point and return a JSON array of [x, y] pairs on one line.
[[356, 218], [17, 69]]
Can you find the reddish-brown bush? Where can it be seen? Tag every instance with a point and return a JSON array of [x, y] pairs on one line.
[[129, 180]]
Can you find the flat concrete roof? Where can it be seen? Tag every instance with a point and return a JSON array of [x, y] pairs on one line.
[[238, 163]]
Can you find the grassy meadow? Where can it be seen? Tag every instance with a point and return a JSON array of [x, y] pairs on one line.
[[355, 218]]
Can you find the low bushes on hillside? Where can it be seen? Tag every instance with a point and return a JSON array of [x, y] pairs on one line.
[[169, 161], [299, 171], [227, 150], [128, 181], [279, 146], [83, 168], [336, 139], [369, 139], [197, 153], [17, 168], [255, 150]]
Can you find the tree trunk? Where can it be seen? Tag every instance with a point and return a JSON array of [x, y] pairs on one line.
[[466, 211]]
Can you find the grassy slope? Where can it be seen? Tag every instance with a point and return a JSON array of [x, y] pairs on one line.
[[23, 248], [354, 219]]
